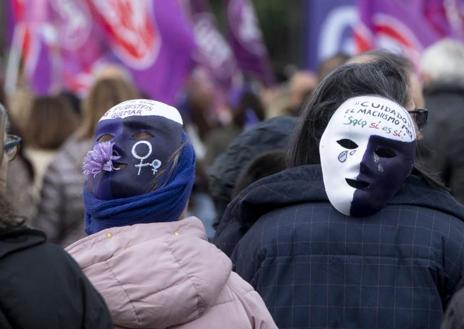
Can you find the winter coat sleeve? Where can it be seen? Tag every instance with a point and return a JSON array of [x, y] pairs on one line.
[[257, 311]]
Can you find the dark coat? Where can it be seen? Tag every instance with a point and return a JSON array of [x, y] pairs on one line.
[[316, 268], [443, 149], [269, 135], [41, 286]]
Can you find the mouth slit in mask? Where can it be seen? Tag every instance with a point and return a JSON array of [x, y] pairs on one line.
[[358, 184]]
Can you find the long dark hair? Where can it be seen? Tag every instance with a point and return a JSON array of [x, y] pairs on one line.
[[381, 77]]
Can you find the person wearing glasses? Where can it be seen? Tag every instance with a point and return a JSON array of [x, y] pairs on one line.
[[41, 286], [416, 106], [351, 234], [11, 145]]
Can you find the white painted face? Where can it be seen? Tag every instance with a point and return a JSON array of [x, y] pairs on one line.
[[367, 151]]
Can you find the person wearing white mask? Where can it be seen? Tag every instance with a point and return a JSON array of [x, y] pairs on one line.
[[352, 234]]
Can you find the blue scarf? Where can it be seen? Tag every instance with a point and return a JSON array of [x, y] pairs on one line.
[[165, 204]]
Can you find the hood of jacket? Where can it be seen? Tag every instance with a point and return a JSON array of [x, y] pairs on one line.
[[154, 275], [19, 238], [304, 184], [271, 134]]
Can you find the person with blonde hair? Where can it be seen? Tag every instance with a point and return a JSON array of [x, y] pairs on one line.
[[60, 210]]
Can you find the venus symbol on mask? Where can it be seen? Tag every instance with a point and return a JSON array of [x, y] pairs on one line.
[[155, 164]]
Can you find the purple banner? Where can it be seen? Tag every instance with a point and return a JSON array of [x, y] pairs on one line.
[[329, 29], [213, 52], [153, 39], [247, 41], [82, 45], [407, 26], [32, 41], [63, 43]]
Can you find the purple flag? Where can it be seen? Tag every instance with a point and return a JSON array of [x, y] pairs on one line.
[[329, 29], [81, 43], [246, 39], [63, 43], [213, 52], [407, 26], [152, 38], [33, 43]]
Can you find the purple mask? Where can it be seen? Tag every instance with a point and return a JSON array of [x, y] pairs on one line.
[[134, 144]]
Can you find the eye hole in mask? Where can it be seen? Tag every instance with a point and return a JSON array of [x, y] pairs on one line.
[[104, 138], [384, 152], [347, 143], [142, 135]]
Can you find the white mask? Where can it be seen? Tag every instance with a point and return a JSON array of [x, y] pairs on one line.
[[367, 151]]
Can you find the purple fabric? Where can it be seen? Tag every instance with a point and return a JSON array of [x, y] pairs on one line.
[[99, 158], [409, 26], [153, 39], [7, 7], [328, 28], [329, 25], [37, 54], [246, 40], [213, 52], [82, 44]]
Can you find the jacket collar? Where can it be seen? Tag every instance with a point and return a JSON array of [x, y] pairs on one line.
[[304, 184], [19, 238]]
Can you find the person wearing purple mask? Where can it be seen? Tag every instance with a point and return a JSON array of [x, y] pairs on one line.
[[154, 267]]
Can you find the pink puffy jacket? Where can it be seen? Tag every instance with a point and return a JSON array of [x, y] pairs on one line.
[[166, 275]]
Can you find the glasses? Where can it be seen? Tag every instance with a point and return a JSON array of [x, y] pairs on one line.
[[11, 146], [420, 117]]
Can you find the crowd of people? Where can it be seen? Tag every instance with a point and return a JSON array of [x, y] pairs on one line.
[[333, 200]]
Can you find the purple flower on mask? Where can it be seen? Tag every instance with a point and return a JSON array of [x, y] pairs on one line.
[[99, 158]]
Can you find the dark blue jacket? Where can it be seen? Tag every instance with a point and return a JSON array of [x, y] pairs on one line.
[[316, 268]]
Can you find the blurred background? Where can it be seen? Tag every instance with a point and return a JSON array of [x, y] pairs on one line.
[[57, 44], [225, 64]]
